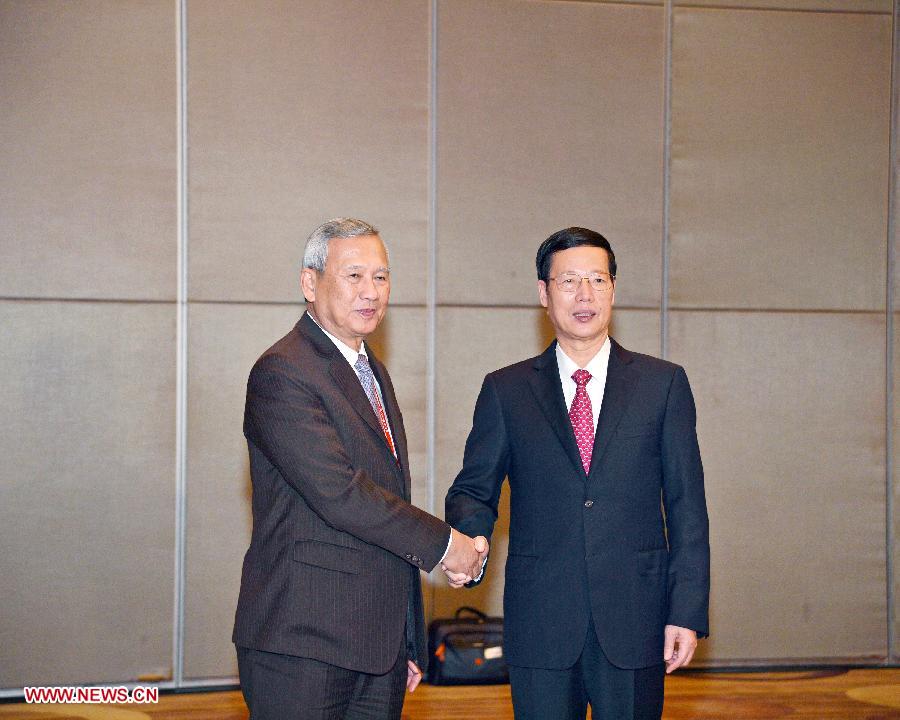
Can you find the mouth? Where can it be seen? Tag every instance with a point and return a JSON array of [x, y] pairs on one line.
[[367, 313], [584, 315]]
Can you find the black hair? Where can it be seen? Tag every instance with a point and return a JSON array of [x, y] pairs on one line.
[[566, 239]]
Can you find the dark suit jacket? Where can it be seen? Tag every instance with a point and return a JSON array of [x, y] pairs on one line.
[[591, 545], [334, 558]]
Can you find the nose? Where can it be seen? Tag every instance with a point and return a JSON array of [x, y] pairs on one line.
[[584, 291], [367, 289]]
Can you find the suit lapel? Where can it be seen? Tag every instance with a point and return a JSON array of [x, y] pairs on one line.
[[344, 376], [620, 380], [547, 390]]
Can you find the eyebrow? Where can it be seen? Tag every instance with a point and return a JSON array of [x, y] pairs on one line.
[[383, 268]]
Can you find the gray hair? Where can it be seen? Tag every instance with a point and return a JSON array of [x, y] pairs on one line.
[[316, 252]]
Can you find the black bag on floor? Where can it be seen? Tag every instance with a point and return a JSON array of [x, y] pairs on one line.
[[467, 650]]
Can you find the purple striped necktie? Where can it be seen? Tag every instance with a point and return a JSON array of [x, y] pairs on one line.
[[367, 378]]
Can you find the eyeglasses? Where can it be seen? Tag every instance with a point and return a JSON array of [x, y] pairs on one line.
[[569, 282]]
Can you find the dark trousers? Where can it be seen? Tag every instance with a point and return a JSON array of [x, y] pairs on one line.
[[613, 693], [284, 687]]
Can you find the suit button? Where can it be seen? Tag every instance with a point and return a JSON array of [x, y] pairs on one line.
[[408, 556], [415, 559], [588, 503]]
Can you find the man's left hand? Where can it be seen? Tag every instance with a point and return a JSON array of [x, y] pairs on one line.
[[679, 647], [413, 675]]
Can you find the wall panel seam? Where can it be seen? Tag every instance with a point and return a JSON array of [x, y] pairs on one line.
[[889, 347], [431, 297], [778, 311], [88, 300], [181, 349], [299, 304], [762, 8], [529, 306], [627, 3], [667, 158], [670, 310]]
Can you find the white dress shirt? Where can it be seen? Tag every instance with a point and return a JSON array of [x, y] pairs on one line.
[[596, 385]]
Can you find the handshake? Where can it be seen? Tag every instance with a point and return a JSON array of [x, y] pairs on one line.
[[465, 558]]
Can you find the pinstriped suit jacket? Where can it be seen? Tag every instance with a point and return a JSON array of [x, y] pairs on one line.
[[333, 564]]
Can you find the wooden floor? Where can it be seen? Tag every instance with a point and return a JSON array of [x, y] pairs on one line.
[[814, 695]]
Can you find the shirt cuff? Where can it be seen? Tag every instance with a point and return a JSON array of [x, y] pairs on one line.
[[481, 574], [447, 549]]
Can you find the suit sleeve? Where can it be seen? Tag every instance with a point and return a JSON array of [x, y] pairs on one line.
[[684, 500], [471, 504], [288, 422]]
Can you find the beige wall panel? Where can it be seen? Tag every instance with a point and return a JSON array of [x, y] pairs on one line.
[[300, 112], [857, 6], [472, 342], [558, 124], [401, 343], [791, 426], [780, 124], [225, 341], [86, 492], [87, 143]]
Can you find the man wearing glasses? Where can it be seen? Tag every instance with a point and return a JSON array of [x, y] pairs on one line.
[[607, 578]]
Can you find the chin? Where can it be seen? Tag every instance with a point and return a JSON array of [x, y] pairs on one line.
[[588, 334], [367, 328], [585, 331]]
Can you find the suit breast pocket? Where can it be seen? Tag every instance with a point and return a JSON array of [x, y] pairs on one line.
[[328, 556]]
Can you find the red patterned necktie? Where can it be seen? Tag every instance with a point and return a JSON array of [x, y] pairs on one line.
[[582, 418], [367, 378]]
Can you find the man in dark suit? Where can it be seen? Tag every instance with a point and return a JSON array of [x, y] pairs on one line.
[[329, 620], [607, 578]]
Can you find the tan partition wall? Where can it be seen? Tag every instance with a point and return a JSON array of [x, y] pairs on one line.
[[300, 112], [88, 149], [780, 132], [166, 159], [87, 273], [549, 114], [793, 449], [86, 492]]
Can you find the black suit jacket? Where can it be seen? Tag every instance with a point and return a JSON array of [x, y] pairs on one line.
[[333, 565], [594, 544]]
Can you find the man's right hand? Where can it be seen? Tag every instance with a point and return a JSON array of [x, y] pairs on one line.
[[465, 558]]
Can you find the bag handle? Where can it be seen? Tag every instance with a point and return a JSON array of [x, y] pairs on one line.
[[482, 617]]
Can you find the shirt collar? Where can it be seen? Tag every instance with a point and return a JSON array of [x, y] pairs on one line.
[[596, 367], [348, 352]]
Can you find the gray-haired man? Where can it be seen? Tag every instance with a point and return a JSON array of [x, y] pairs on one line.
[[329, 620]]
